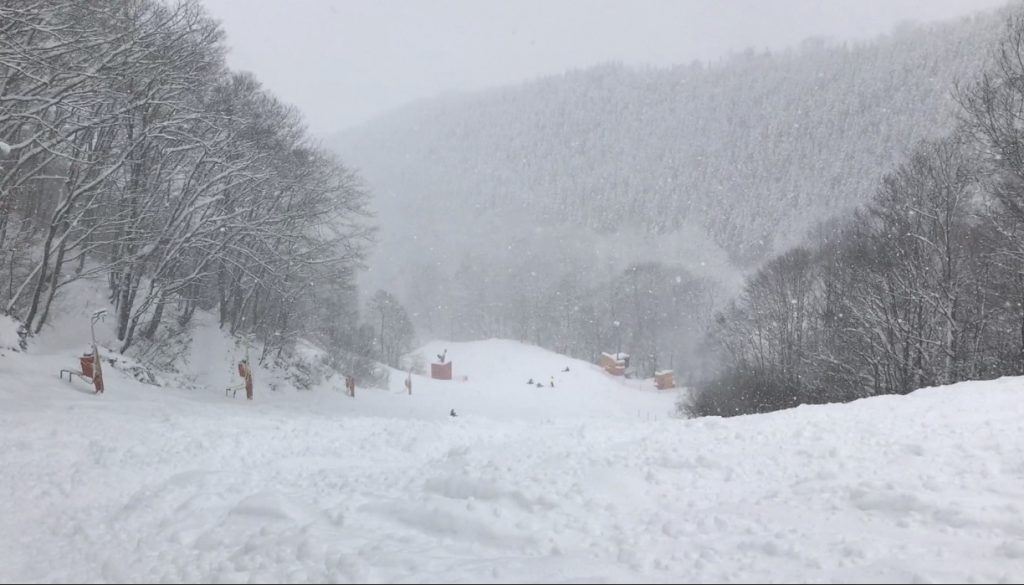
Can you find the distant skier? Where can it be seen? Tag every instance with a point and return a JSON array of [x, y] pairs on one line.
[[452, 413], [566, 369], [552, 381], [530, 381], [441, 356]]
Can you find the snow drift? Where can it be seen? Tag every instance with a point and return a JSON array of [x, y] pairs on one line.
[[560, 484]]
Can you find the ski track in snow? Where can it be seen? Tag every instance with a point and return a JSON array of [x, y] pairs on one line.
[[156, 484]]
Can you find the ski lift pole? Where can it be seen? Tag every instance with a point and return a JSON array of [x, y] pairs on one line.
[[248, 374], [97, 367]]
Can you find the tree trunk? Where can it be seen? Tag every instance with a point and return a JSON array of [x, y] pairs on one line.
[[158, 314], [54, 281], [42, 270]]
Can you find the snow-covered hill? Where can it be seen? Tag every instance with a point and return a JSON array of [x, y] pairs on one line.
[[490, 380], [529, 484]]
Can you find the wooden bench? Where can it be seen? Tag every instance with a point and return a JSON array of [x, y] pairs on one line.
[[88, 373]]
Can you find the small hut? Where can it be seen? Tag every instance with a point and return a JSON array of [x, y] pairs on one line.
[[664, 380], [441, 371], [615, 364]]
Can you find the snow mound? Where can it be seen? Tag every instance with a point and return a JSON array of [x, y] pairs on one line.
[[9, 338]]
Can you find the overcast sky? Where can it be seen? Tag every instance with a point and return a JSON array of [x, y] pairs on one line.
[[344, 61]]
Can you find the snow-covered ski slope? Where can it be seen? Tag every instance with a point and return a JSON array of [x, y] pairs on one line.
[[588, 481]]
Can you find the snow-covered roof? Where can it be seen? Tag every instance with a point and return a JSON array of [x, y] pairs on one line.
[[615, 356]]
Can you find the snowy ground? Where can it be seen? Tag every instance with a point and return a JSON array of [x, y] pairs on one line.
[[590, 481]]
